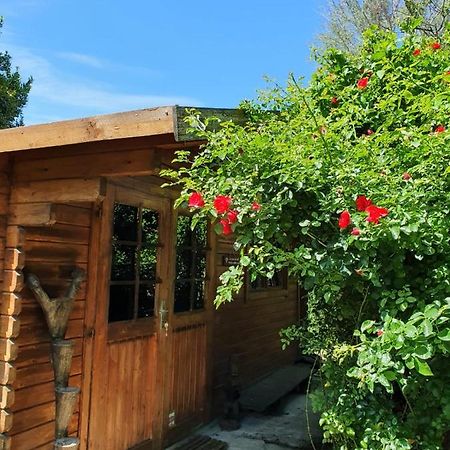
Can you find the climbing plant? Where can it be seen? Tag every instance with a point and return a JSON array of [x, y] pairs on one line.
[[346, 182]]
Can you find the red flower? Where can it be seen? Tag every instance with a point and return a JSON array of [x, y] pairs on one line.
[[362, 202], [334, 101], [406, 176], [362, 83], [344, 219], [226, 227], [196, 200], [355, 232], [232, 216], [369, 132], [439, 129], [256, 206], [435, 45], [416, 52], [380, 333], [375, 213], [222, 204]]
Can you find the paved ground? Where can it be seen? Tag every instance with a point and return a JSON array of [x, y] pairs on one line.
[[283, 428]]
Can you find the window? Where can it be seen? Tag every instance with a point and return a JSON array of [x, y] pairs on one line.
[[278, 281], [133, 265], [190, 265]]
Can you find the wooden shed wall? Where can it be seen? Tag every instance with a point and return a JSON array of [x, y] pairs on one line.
[[246, 332], [51, 254]]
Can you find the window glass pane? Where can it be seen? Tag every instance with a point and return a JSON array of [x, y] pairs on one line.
[[199, 289], [184, 264], [121, 302], [200, 234], [200, 265], [147, 263], [149, 227], [146, 301], [182, 296], [184, 233], [123, 262], [125, 222]]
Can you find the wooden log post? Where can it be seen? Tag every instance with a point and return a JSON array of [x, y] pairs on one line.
[[66, 398], [66, 444], [56, 310], [62, 352]]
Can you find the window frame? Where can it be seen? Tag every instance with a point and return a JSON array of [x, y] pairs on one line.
[[206, 250], [264, 292], [137, 326]]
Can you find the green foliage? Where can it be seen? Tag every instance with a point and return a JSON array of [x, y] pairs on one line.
[[378, 298], [13, 92]]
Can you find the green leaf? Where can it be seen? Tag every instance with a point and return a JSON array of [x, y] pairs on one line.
[[422, 367], [444, 335]]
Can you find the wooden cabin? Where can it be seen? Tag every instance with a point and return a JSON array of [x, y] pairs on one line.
[[145, 356]]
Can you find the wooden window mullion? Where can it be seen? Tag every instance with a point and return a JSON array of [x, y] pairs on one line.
[[138, 263]]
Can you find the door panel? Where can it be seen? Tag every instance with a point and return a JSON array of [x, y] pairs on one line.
[[124, 395]]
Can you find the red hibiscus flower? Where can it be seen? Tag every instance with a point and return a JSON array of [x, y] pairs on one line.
[[416, 52], [435, 45], [222, 204], [344, 219], [380, 333], [256, 206], [362, 202], [232, 216], [334, 101], [406, 176], [196, 200], [226, 227], [355, 232], [362, 83], [439, 129], [375, 213]]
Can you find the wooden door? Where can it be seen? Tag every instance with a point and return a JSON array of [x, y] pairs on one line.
[[133, 292], [189, 365]]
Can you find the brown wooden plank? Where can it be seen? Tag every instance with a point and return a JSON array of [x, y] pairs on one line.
[[11, 303], [132, 162], [34, 438], [31, 214], [9, 326], [39, 394], [56, 252], [145, 122], [58, 191], [73, 214], [7, 373], [5, 420], [6, 397], [42, 373], [8, 350], [59, 233], [32, 355]]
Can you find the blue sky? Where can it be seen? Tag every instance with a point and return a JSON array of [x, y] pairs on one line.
[[103, 56]]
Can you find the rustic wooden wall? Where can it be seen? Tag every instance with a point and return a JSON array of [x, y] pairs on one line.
[[51, 253], [246, 332]]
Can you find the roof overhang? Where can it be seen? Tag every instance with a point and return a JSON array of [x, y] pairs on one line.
[[166, 120]]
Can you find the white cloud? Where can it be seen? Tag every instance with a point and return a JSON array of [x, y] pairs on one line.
[[57, 95], [81, 58]]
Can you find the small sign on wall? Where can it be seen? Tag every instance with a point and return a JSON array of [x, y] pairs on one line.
[[230, 260]]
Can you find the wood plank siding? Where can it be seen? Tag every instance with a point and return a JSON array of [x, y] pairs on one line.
[[246, 332], [52, 252]]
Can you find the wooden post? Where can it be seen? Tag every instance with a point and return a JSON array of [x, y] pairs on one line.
[[66, 398], [67, 443], [56, 310], [62, 352]]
